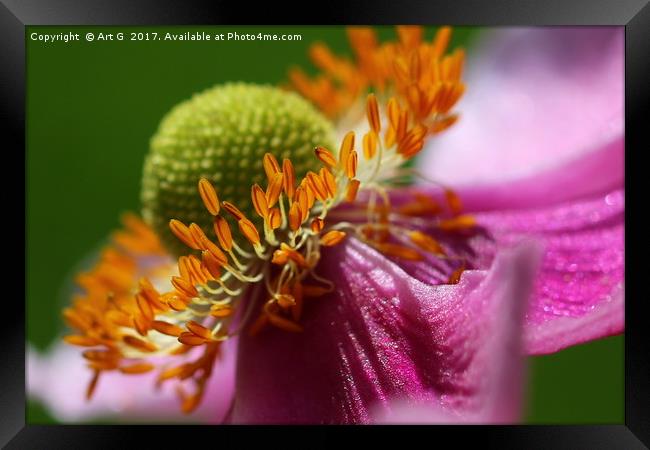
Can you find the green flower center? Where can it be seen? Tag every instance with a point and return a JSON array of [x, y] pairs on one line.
[[222, 134]]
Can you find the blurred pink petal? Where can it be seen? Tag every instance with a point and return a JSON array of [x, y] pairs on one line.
[[58, 379], [578, 293], [386, 337], [536, 99], [596, 172]]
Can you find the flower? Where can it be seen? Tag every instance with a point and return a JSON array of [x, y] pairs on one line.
[[360, 301]]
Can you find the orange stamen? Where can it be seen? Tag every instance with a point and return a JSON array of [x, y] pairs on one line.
[[222, 230], [369, 145], [249, 231], [259, 201], [351, 165], [209, 196], [271, 166], [372, 110], [139, 344], [184, 287], [332, 238], [274, 189], [317, 225], [352, 189], [166, 328], [183, 233], [426, 243], [289, 177], [325, 156], [232, 209]]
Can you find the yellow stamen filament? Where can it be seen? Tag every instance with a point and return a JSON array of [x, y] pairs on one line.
[[209, 196]]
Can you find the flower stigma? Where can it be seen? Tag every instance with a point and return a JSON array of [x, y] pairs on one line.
[[243, 191]]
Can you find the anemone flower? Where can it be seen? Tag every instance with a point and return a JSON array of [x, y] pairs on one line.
[[338, 294]]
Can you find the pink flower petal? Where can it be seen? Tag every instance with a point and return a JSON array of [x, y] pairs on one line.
[[595, 172], [537, 98], [385, 337], [58, 379], [578, 294]]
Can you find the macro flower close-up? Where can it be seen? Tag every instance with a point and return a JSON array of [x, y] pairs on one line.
[[386, 235]]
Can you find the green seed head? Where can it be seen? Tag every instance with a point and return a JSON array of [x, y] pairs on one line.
[[222, 134]]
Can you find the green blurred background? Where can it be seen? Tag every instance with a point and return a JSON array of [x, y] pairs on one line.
[[91, 109]]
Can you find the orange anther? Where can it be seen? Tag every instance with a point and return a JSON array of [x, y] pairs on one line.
[[209, 196], [248, 229], [139, 344], [232, 209], [275, 218], [346, 147], [295, 216], [426, 243], [325, 156], [274, 189], [332, 238], [271, 166], [183, 233], [222, 230], [369, 144], [352, 189], [259, 201], [289, 177], [166, 328], [372, 110], [351, 165], [184, 287], [317, 225]]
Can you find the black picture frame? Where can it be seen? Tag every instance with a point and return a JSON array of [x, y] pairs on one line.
[[15, 15]]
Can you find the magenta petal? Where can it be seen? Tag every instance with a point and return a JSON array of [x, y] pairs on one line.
[[578, 294], [385, 337], [537, 99], [58, 379], [596, 172]]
